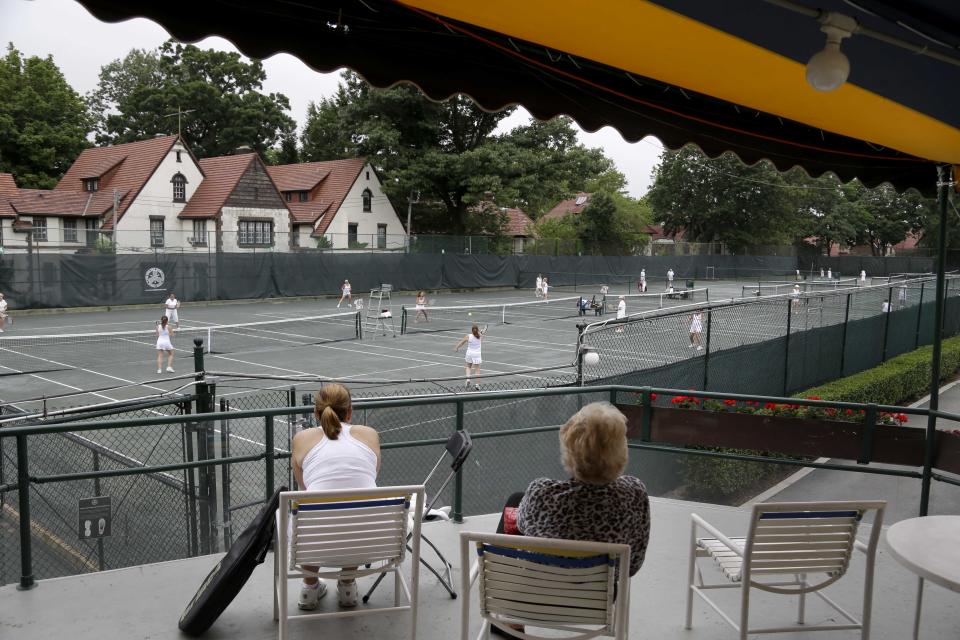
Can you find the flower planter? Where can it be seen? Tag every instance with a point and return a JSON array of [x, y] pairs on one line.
[[777, 434]]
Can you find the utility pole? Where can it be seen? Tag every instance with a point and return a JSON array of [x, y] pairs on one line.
[[411, 200]]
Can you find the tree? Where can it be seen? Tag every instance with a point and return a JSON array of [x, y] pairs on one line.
[[890, 216], [722, 200], [219, 93], [614, 224], [555, 236], [43, 121], [450, 153]]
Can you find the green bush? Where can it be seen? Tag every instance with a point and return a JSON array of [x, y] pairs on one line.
[[716, 479], [895, 381]]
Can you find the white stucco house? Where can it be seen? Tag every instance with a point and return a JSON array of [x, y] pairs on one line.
[[154, 195]]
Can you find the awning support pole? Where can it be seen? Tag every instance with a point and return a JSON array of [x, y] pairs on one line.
[[944, 182]]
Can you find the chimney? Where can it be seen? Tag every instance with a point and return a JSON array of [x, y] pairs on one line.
[[242, 149]]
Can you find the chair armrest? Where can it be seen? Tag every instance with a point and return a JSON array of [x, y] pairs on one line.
[[474, 572], [716, 533]]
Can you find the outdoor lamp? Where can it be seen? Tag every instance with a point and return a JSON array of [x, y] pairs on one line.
[[829, 68]]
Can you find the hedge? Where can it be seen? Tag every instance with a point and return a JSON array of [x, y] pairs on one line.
[[897, 380]]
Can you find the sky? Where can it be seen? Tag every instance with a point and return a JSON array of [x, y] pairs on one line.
[[80, 44]]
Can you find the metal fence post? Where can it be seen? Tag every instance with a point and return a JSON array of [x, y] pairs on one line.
[[225, 477], [580, 329], [647, 415], [458, 480], [916, 338], [886, 324], [101, 564], [268, 455], [786, 350], [843, 339], [23, 499], [706, 354]]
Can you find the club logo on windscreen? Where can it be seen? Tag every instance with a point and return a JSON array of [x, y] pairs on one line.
[[154, 277]]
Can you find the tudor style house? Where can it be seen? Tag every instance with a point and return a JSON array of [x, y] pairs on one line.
[[154, 195]]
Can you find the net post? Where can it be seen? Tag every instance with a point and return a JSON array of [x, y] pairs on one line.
[[786, 349], [359, 322], [23, 497], [706, 353], [458, 479], [403, 320], [580, 329], [886, 324], [209, 340], [198, 358], [843, 338], [916, 337]]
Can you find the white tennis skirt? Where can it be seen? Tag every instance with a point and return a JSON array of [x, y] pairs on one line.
[[172, 315], [421, 307], [163, 344], [473, 357]]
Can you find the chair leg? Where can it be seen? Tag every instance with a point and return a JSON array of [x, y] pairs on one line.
[[691, 567], [744, 607], [801, 608]]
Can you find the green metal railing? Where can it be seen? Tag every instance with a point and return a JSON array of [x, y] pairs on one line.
[[204, 422]]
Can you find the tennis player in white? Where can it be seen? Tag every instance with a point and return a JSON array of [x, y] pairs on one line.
[[3, 313], [473, 360], [170, 307], [164, 333], [345, 294], [621, 312], [669, 278], [544, 288], [539, 285], [696, 329], [421, 307]]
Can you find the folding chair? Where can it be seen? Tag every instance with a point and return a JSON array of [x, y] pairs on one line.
[[794, 539], [330, 530], [458, 447], [580, 588]]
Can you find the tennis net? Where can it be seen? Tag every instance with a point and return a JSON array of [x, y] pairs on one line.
[[460, 318], [645, 301], [33, 354], [776, 288]]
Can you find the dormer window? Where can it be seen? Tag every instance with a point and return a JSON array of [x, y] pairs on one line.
[[303, 196], [179, 182], [91, 184], [367, 199], [288, 196], [581, 200]]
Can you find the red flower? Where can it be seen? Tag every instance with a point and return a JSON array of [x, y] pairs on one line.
[[729, 402], [677, 399], [849, 412], [770, 406], [902, 417], [813, 398], [653, 396]]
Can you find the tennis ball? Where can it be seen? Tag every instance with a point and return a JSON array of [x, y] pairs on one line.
[[469, 313]]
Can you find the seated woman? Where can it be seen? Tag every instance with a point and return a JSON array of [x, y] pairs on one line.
[[597, 503], [337, 456]]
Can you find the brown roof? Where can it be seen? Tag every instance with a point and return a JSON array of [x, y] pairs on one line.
[[307, 212], [8, 189], [566, 207], [291, 177], [332, 189], [221, 176], [22, 225], [129, 165], [44, 202], [518, 223]]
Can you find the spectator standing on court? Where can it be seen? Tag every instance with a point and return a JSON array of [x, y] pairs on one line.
[[345, 294], [821, 272], [643, 280], [863, 275], [3, 313], [539, 291], [171, 307], [421, 307], [696, 329], [339, 455], [164, 344], [472, 357], [670, 278], [621, 312], [829, 274]]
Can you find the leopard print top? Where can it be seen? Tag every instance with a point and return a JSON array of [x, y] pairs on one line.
[[618, 512]]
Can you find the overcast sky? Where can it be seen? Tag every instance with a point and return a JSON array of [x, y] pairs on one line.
[[80, 44]]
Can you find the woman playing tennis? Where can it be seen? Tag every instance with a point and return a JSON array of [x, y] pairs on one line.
[[421, 307], [164, 333], [345, 294], [472, 340], [696, 329]]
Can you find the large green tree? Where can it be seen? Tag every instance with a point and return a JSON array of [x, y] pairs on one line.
[[450, 153], [219, 92], [43, 121], [722, 200]]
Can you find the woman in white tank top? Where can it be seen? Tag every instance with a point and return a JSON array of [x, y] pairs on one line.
[[339, 455], [473, 341]]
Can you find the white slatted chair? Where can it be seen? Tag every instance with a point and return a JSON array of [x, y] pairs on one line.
[[557, 585], [363, 528], [811, 542]]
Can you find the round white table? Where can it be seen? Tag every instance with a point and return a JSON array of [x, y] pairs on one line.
[[929, 547]]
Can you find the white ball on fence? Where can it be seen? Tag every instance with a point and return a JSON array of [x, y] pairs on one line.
[[591, 358]]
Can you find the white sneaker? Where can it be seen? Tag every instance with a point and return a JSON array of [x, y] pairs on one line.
[[699, 348], [159, 370], [347, 593], [309, 596], [476, 387], [690, 346], [170, 369]]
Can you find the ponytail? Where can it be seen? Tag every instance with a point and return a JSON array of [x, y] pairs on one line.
[[332, 407], [475, 331]]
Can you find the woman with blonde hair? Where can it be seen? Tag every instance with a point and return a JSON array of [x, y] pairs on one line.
[[339, 455]]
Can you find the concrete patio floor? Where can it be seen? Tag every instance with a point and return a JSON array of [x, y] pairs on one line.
[[146, 601]]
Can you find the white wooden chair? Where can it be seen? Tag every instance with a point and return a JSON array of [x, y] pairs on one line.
[[802, 540], [579, 588], [330, 530]]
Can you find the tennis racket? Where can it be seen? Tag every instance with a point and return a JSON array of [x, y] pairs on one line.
[[483, 330], [431, 302]]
